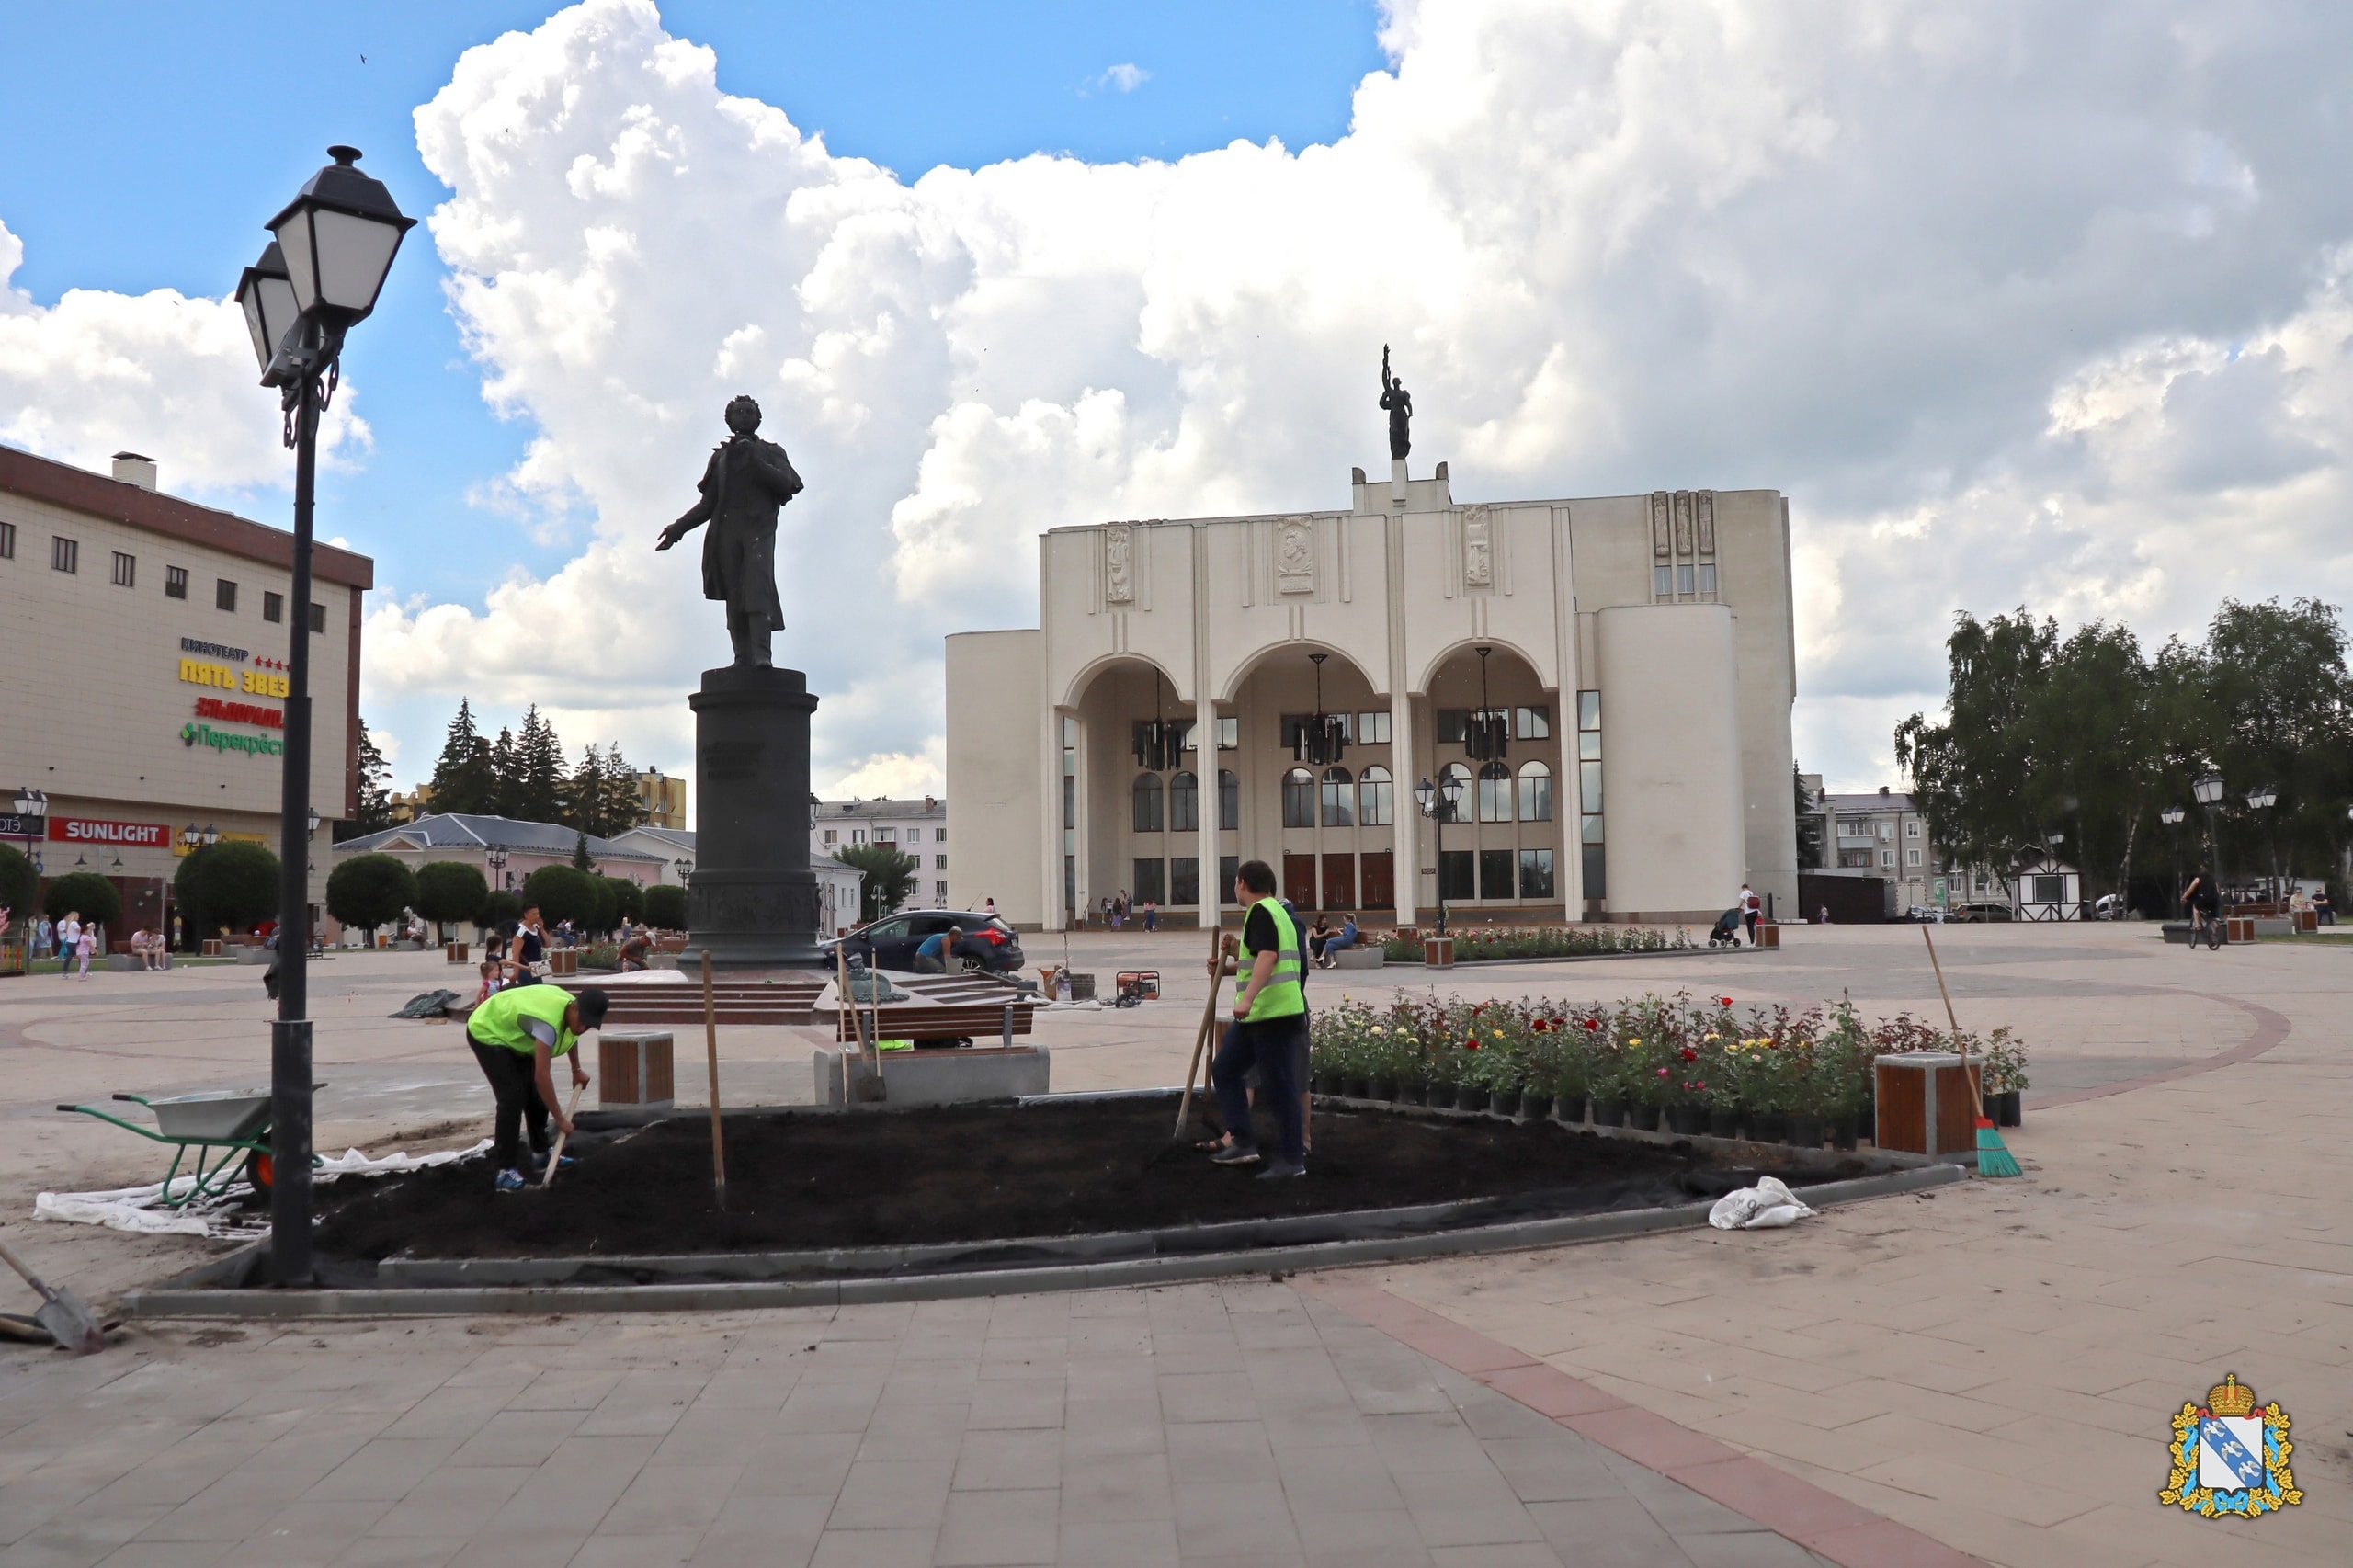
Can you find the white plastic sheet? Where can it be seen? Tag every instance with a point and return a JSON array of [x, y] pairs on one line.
[[142, 1210], [1766, 1206]]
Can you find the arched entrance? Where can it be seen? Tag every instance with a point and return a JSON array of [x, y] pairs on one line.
[[1317, 786], [1485, 719]]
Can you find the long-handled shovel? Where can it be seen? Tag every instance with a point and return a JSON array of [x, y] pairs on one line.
[[1201, 1036], [61, 1312], [556, 1155]]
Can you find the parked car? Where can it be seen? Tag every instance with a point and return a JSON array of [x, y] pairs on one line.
[[1926, 913], [2108, 906], [1984, 913], [890, 942]]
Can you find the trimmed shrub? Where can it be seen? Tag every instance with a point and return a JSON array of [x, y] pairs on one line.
[[233, 885], [665, 906], [450, 892], [19, 885], [498, 909], [561, 893], [85, 894], [629, 899], [369, 891]]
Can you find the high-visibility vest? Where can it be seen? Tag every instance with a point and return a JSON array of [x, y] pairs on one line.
[[1280, 997], [499, 1020]]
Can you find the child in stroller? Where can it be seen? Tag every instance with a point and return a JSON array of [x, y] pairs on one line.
[[1726, 933]]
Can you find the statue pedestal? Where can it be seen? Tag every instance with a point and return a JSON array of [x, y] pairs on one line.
[[752, 902], [1397, 484]]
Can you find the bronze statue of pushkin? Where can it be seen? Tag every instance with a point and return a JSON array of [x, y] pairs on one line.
[[745, 486]]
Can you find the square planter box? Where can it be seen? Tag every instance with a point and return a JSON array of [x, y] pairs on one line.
[[1926, 1104], [635, 1067], [1437, 952], [1768, 934], [562, 960], [456, 951]]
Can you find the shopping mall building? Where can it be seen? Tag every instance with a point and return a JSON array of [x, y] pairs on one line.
[[1605, 684], [149, 638]]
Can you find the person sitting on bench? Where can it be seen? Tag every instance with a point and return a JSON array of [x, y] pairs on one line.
[[935, 951], [1340, 940]]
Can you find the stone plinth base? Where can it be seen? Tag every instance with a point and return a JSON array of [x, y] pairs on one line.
[[752, 901], [1366, 957], [936, 1077]]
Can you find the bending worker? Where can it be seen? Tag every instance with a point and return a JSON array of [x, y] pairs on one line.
[[1270, 1032], [516, 1035], [938, 950]]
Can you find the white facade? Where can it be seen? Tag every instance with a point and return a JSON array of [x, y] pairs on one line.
[[1638, 659], [916, 828]]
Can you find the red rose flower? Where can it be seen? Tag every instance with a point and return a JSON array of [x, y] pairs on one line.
[[1665, 1074], [1593, 1022], [1689, 1054], [1726, 1000], [1541, 1026]]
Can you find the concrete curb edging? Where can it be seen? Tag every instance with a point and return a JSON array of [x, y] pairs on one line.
[[189, 1297]]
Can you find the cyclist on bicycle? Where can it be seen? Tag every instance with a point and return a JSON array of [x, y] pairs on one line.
[[2199, 901]]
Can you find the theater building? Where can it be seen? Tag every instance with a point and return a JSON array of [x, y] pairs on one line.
[[1606, 682], [147, 638]]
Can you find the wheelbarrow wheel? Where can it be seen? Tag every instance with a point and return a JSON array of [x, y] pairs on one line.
[[259, 1168]]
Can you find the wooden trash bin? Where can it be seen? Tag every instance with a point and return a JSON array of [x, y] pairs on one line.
[[1768, 934], [456, 951], [214, 946], [1437, 952], [562, 960], [634, 1068], [1927, 1105]]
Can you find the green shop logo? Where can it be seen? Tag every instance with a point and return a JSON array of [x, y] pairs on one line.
[[253, 745]]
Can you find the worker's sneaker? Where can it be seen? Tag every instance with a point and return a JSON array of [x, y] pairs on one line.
[[562, 1162], [1281, 1169], [1235, 1155], [510, 1181]]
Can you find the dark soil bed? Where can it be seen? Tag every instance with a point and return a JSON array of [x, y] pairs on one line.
[[979, 1172]]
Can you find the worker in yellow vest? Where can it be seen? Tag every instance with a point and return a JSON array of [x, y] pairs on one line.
[[517, 1034], [1270, 1029]]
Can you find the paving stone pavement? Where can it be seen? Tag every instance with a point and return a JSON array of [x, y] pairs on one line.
[[1238, 1424]]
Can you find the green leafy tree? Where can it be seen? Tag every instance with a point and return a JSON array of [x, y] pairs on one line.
[[463, 778], [1970, 774], [370, 890], [450, 892], [665, 906], [232, 885], [1812, 851], [889, 876], [561, 893], [19, 885], [85, 894], [499, 908], [608, 906], [2278, 691]]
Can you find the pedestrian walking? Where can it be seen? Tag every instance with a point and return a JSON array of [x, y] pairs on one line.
[[1150, 915], [69, 931], [84, 941], [1752, 910]]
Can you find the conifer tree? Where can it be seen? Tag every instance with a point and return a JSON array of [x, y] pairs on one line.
[[538, 770], [375, 799], [505, 788], [462, 779]]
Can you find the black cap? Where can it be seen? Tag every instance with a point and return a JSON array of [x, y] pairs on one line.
[[592, 1002]]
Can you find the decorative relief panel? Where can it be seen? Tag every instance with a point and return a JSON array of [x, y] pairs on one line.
[[1478, 547], [1295, 556], [1662, 536], [1703, 507], [1119, 564], [1683, 522]]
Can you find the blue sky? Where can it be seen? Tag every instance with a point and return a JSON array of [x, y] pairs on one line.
[[2018, 304], [146, 144]]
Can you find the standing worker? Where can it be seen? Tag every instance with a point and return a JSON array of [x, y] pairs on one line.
[[1270, 1032], [516, 1035]]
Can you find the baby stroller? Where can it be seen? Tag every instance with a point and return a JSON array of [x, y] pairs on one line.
[[1727, 930]]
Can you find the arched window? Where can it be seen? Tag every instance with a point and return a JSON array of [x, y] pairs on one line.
[[1460, 811], [1146, 796], [1184, 804], [1229, 799], [1495, 791], [1535, 793], [1339, 798], [1376, 798], [1299, 799]]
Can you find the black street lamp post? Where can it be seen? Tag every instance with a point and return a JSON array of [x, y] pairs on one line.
[[33, 806], [2171, 816], [319, 276], [2208, 789], [497, 860], [1437, 803], [2262, 800]]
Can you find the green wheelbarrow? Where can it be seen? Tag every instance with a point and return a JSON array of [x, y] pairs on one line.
[[227, 1130]]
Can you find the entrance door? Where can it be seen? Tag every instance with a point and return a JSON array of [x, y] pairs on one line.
[[1339, 881], [1380, 878], [1299, 880]]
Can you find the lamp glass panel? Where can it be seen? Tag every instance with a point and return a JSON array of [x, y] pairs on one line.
[[294, 243], [249, 299], [354, 255], [279, 313]]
